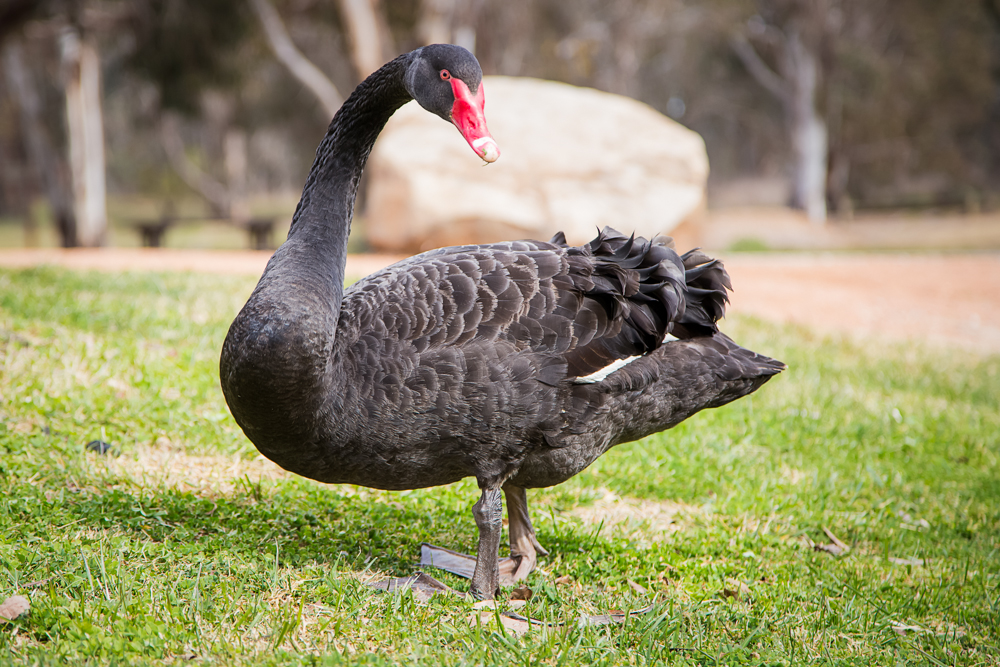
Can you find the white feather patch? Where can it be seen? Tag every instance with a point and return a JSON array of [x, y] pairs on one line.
[[599, 375], [669, 338]]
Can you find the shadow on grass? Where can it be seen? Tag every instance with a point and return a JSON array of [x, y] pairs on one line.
[[314, 526], [302, 524]]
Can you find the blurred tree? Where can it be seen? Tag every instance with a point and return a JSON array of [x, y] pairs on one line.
[[435, 21], [868, 101], [300, 67], [48, 167], [905, 92], [81, 217], [368, 34], [186, 48], [796, 31], [15, 13], [990, 132], [179, 45], [910, 84], [451, 22], [82, 83], [882, 88]]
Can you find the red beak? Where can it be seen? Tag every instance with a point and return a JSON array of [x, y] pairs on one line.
[[468, 116]]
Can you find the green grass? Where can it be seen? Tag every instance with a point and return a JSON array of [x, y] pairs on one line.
[[749, 245], [186, 548]]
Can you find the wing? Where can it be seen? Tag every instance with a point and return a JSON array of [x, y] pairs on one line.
[[505, 331]]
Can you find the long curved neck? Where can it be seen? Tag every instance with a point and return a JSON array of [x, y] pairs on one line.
[[278, 363], [317, 239]]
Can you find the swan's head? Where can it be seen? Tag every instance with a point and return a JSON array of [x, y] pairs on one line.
[[447, 81]]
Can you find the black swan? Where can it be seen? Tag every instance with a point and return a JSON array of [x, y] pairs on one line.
[[517, 363]]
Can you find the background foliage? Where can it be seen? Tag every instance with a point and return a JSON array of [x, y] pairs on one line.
[[910, 89]]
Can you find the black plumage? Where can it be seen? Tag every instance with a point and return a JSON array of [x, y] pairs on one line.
[[482, 361]]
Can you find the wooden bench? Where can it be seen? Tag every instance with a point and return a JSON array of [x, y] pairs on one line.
[[260, 230]]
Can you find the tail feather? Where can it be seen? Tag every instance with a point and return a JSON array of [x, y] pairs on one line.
[[638, 292], [639, 287], [629, 294], [706, 294], [683, 378]]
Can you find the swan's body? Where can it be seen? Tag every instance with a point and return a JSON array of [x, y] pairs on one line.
[[515, 363]]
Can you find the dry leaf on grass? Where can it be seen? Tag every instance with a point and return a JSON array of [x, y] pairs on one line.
[[915, 562], [638, 588], [735, 589], [14, 606], [831, 549], [836, 548], [564, 580], [945, 630], [836, 540], [486, 604], [521, 593], [424, 587], [518, 626], [498, 604], [613, 616], [521, 624], [902, 629]]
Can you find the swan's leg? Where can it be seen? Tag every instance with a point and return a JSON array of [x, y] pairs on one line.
[[524, 546], [489, 518]]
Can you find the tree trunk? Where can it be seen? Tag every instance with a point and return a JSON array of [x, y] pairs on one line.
[[367, 33], [300, 67], [235, 150], [448, 22], [48, 167], [82, 71], [434, 26], [796, 88], [808, 129], [216, 193]]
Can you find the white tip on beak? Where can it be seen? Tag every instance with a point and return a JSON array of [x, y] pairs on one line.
[[486, 148]]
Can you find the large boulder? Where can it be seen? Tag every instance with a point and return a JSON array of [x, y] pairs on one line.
[[572, 159]]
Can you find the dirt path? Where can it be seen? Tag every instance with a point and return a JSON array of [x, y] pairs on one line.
[[948, 300], [945, 299]]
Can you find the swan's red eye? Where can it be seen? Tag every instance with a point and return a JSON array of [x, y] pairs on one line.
[[445, 75]]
